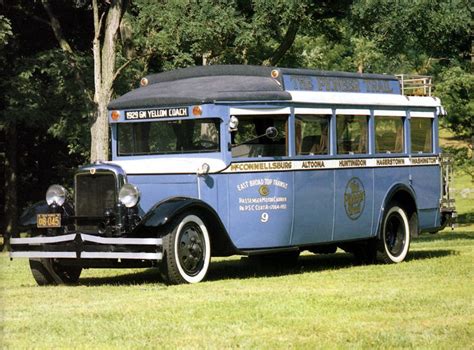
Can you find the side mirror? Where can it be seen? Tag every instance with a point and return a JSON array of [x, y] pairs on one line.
[[271, 132], [233, 123]]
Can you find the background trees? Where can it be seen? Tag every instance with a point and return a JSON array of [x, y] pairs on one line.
[[62, 61]]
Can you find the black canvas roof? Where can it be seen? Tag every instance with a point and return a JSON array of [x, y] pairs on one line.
[[208, 84]]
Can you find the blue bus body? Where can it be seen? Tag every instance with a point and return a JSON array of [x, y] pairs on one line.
[[270, 194]]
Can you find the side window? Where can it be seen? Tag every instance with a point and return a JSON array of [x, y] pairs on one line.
[[388, 134], [250, 140], [352, 134], [421, 135], [312, 134]]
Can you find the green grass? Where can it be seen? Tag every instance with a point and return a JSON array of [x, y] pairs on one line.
[[323, 302]]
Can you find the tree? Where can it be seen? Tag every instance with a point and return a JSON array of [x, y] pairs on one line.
[[106, 18], [456, 90], [36, 101]]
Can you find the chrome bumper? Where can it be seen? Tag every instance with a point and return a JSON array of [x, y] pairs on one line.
[[84, 246]]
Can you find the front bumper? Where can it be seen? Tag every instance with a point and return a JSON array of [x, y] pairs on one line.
[[84, 246]]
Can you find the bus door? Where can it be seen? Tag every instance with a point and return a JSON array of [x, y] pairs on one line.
[[354, 181], [314, 184], [260, 180]]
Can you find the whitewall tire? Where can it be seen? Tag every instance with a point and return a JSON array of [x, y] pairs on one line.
[[395, 237], [187, 251]]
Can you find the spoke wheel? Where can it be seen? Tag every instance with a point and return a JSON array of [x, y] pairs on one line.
[[395, 238], [187, 251]]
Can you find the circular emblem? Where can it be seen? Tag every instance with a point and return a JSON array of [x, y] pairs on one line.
[[354, 198], [92, 171], [263, 190]]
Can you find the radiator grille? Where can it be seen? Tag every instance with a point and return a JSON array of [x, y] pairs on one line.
[[95, 193]]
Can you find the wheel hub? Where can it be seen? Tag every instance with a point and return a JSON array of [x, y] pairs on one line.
[[191, 249], [395, 234]]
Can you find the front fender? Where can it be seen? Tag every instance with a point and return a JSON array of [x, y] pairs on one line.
[[28, 217], [159, 220]]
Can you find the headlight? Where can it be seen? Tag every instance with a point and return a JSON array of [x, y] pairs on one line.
[[56, 194], [129, 195]]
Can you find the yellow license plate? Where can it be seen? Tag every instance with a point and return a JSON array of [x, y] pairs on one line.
[[48, 220]]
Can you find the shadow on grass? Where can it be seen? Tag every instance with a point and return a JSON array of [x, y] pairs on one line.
[[465, 218], [448, 236], [430, 254], [244, 268], [148, 276]]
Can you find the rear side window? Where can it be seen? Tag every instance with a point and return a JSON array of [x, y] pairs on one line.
[[421, 135], [352, 134], [388, 134], [312, 134]]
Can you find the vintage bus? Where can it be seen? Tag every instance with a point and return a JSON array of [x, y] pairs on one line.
[[257, 161]]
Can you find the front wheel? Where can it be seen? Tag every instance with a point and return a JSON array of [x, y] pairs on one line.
[[395, 236], [51, 272], [187, 251]]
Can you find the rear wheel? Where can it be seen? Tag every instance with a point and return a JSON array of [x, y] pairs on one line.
[[51, 272], [187, 251], [394, 241]]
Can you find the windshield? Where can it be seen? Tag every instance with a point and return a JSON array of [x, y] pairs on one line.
[[168, 137]]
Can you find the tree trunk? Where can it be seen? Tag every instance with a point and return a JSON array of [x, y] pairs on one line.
[[100, 132], [104, 73], [11, 202]]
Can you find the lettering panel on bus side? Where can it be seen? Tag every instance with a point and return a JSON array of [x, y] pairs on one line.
[[261, 209], [353, 203], [314, 207]]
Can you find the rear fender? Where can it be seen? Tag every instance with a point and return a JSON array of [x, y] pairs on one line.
[[407, 198], [160, 219]]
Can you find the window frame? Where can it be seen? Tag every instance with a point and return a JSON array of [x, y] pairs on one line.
[[389, 114], [298, 116], [354, 113], [218, 124], [263, 114], [422, 116]]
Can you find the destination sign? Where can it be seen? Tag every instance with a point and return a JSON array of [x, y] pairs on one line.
[[157, 113], [340, 84]]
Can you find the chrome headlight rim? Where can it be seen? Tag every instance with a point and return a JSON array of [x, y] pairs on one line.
[[129, 195], [56, 194]]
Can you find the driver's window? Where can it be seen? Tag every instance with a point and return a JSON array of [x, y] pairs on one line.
[[249, 140]]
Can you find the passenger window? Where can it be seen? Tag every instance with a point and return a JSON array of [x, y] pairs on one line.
[[421, 135], [388, 134], [351, 134], [312, 134], [250, 140]]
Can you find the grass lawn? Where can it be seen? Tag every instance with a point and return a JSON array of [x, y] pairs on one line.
[[323, 302]]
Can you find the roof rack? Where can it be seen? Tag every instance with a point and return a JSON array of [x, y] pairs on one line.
[[415, 85]]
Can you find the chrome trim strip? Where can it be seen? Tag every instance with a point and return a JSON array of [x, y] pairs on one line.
[[43, 240], [121, 255], [34, 254], [131, 241]]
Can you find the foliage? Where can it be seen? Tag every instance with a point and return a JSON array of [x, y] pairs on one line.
[[49, 92], [439, 28], [463, 159], [456, 91], [188, 32], [5, 31]]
